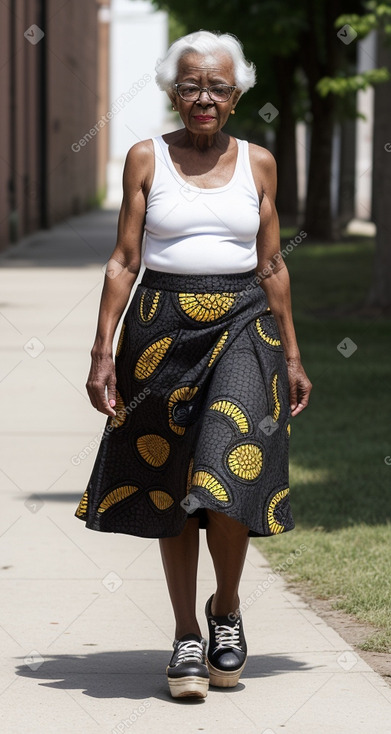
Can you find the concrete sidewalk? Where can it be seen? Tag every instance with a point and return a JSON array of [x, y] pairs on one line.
[[86, 625]]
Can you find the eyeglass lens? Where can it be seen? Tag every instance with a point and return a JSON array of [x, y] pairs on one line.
[[217, 92]]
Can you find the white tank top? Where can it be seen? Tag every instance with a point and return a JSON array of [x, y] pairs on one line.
[[195, 230]]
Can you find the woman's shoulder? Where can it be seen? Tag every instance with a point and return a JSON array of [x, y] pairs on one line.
[[263, 166], [261, 156], [139, 164], [141, 150], [139, 160]]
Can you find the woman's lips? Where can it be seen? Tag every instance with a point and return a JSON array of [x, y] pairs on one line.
[[203, 118]]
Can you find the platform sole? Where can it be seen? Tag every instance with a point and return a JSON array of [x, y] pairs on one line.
[[190, 685], [224, 678]]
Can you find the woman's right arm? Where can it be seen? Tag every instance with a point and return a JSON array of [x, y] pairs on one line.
[[121, 272]]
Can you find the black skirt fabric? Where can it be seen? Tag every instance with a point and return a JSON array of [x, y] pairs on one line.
[[202, 415]]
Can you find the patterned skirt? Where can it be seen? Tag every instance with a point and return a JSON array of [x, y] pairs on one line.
[[202, 412]]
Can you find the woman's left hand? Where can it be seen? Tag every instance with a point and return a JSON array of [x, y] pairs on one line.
[[299, 386]]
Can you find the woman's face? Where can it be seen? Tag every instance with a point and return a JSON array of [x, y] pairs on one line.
[[205, 115]]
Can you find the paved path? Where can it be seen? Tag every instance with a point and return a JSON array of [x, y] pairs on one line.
[[86, 623]]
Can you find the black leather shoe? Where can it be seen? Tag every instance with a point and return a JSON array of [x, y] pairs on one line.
[[187, 672], [227, 649]]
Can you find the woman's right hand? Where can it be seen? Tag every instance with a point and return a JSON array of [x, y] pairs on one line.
[[102, 374]]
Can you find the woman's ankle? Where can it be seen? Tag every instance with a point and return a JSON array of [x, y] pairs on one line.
[[186, 630], [222, 606]]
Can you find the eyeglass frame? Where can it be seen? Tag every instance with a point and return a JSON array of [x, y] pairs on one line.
[[206, 89]]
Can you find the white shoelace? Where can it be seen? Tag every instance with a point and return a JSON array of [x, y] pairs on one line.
[[189, 650], [227, 636]]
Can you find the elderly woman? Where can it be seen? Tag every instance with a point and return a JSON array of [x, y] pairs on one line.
[[207, 370]]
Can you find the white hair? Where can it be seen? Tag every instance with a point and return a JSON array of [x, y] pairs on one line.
[[205, 42]]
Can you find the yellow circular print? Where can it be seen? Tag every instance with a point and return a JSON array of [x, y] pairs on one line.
[[233, 411], [277, 404], [116, 495], [189, 474], [208, 481], [218, 347], [151, 357], [206, 306], [181, 394], [83, 505], [153, 448], [265, 336], [162, 500], [120, 339], [245, 461], [145, 314], [275, 526]]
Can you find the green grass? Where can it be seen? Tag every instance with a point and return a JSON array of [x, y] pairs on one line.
[[340, 483]]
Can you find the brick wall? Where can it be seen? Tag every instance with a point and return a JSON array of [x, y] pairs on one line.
[[53, 91]]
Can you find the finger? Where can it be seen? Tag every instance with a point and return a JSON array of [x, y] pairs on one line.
[[293, 397], [304, 400], [304, 395], [111, 391], [108, 409], [297, 410], [102, 404]]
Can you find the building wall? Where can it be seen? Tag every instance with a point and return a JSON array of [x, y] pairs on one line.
[[52, 91], [139, 36], [103, 94], [4, 121]]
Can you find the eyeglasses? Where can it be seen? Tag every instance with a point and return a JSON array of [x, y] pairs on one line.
[[216, 92]]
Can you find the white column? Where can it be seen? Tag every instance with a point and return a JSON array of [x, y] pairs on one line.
[[138, 37], [302, 163], [366, 59]]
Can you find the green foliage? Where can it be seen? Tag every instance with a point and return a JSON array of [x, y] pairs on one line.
[[362, 24], [376, 18], [342, 85], [96, 200], [176, 29], [338, 475]]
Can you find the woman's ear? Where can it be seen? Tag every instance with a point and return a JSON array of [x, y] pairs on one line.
[[235, 96], [172, 98]]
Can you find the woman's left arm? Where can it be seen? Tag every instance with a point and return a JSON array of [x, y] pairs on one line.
[[274, 280]]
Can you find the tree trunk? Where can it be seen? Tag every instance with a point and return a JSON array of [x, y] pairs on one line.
[[319, 56], [318, 221], [285, 146], [380, 292], [347, 173]]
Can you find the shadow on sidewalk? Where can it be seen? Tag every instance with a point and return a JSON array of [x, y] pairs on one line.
[[138, 674], [81, 241]]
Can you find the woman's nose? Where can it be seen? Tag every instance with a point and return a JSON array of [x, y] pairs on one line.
[[204, 98]]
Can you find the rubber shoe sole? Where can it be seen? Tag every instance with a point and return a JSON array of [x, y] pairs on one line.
[[190, 685], [224, 678]]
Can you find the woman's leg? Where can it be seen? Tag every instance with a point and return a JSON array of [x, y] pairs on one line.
[[227, 542], [180, 562]]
